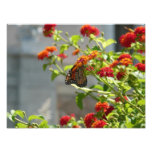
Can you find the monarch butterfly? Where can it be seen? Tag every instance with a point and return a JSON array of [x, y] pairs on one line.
[[76, 76]]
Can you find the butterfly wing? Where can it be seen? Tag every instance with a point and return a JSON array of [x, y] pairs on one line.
[[76, 76], [70, 77], [81, 79]]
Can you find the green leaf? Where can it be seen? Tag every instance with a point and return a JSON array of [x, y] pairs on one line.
[[130, 110], [92, 36], [63, 48], [20, 113], [67, 67], [128, 123], [108, 42], [141, 102], [75, 38], [55, 73], [95, 48], [79, 99], [30, 118], [105, 87], [44, 124], [139, 57], [44, 66], [20, 125]]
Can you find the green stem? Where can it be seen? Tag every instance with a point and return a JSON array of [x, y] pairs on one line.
[[87, 90], [137, 91], [98, 44], [61, 71], [21, 121]]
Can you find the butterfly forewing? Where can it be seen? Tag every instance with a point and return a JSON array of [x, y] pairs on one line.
[[76, 76]]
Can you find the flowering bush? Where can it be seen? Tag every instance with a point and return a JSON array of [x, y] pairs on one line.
[[120, 89]]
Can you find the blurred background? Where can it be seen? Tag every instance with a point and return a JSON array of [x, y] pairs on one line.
[[29, 88]]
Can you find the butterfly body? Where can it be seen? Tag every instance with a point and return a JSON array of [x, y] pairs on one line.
[[76, 76]]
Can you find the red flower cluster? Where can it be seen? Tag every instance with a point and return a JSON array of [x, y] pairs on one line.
[[101, 106], [127, 39], [86, 30], [89, 119], [114, 64], [140, 67], [140, 33], [62, 56], [75, 52], [105, 71], [99, 124], [48, 30], [45, 53], [125, 59], [51, 49], [65, 119], [120, 75], [139, 30], [118, 99], [122, 56], [109, 109], [93, 55], [135, 35]]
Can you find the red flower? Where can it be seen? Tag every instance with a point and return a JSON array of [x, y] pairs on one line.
[[64, 120], [115, 63], [139, 30], [99, 124], [75, 52], [62, 56], [89, 119], [140, 66], [93, 54], [140, 33], [127, 39], [118, 99], [122, 56], [94, 31], [82, 60], [109, 109], [120, 75], [105, 71], [43, 54], [141, 38], [101, 106], [48, 30], [86, 30], [125, 61], [51, 49]]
